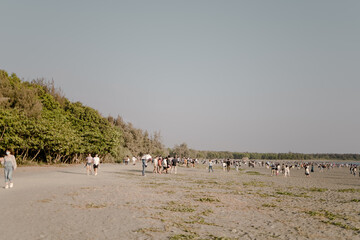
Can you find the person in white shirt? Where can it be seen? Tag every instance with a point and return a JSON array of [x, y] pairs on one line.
[[96, 164], [134, 160], [287, 171], [144, 159]]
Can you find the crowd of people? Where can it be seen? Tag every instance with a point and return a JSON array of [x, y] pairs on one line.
[[169, 165]]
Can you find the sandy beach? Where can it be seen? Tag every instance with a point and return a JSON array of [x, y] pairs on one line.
[[118, 203]]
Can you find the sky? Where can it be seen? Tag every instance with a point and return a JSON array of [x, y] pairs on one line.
[[246, 76]]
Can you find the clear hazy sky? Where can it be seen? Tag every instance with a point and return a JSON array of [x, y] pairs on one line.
[[257, 76]]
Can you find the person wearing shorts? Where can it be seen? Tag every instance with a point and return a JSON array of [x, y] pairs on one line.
[[96, 161], [89, 162]]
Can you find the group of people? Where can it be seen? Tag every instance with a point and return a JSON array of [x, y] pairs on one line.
[[92, 163], [165, 164]]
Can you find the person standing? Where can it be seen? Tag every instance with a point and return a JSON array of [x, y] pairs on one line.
[[287, 171], [155, 161], [10, 165], [96, 164], [89, 162], [175, 162], [228, 165], [164, 165], [134, 160], [211, 166], [144, 160], [237, 165], [307, 171]]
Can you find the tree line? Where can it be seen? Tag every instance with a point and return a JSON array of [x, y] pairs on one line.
[[41, 125]]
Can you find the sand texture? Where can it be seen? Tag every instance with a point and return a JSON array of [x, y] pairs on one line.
[[118, 203]]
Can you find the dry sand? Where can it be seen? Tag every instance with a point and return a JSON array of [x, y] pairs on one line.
[[64, 203]]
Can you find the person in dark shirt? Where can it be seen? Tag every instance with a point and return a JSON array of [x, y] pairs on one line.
[[228, 165], [174, 164]]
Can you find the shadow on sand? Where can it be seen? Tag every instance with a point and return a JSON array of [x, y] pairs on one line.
[[72, 172]]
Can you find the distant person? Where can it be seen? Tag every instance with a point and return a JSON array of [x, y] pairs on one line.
[[134, 160], [127, 160], [228, 165], [211, 163], [155, 162], [307, 171], [174, 163], [96, 164], [159, 165], [287, 171], [89, 162], [10, 165], [164, 165], [237, 164], [224, 165], [144, 159]]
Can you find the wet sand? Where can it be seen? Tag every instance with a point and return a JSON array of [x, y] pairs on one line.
[[65, 203]]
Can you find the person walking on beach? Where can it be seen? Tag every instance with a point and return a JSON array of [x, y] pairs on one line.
[[174, 164], [307, 171], [159, 165], [134, 160], [228, 165], [155, 162], [89, 162], [237, 165], [164, 165], [10, 165], [287, 171], [96, 161], [127, 160], [211, 166], [144, 160]]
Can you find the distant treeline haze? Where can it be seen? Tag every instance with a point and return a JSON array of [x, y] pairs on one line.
[[41, 125]]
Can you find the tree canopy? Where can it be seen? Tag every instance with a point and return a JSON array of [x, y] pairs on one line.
[[40, 124]]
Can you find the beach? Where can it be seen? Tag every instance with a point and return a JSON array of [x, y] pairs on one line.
[[62, 202]]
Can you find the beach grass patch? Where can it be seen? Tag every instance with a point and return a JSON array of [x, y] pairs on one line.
[[254, 184], [292, 194], [207, 212], [269, 205], [147, 230], [343, 225], [212, 237], [349, 190], [314, 189], [174, 207], [93, 205], [208, 199], [183, 237], [355, 200], [253, 173], [199, 220]]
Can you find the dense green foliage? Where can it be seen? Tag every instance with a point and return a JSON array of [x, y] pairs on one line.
[[41, 125]]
